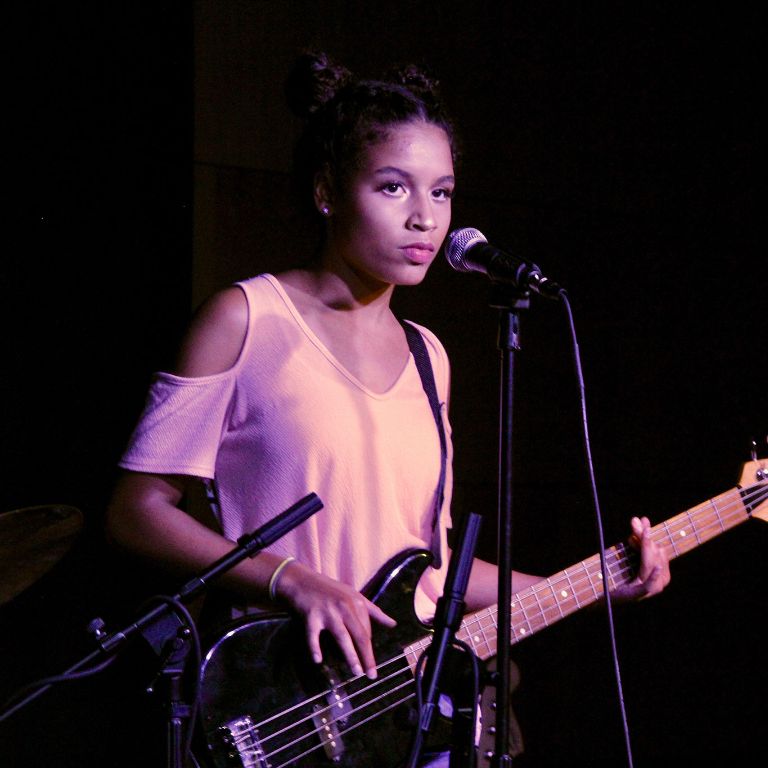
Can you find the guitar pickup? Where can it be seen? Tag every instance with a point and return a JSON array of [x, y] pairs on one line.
[[328, 731], [329, 716]]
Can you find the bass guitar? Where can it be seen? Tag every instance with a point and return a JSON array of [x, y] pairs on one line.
[[265, 704]]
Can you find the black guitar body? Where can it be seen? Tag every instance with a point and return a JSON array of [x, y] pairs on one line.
[[265, 704]]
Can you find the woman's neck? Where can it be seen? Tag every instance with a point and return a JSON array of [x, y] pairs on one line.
[[342, 290], [361, 332]]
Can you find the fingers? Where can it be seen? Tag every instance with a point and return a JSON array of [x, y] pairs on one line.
[[641, 528], [653, 575], [348, 620], [351, 642], [328, 605], [378, 615]]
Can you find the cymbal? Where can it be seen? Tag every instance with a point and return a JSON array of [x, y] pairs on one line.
[[32, 541]]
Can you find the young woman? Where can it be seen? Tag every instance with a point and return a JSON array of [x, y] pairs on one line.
[[303, 381]]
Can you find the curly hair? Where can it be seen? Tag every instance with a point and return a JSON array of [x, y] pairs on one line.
[[343, 115]]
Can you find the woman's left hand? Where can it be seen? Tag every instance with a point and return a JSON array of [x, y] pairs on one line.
[[653, 574]]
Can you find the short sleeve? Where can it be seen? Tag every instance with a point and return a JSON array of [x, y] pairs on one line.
[[181, 425]]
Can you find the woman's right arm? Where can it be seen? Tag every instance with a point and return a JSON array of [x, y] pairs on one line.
[[146, 518]]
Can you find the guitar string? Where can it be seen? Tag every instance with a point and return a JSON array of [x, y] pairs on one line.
[[756, 493], [425, 642], [322, 697], [752, 496], [344, 729], [621, 570], [660, 532], [329, 709], [348, 730]]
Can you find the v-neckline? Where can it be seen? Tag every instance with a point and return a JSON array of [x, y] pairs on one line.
[[324, 349]]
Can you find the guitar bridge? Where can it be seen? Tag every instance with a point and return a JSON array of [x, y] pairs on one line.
[[238, 743]]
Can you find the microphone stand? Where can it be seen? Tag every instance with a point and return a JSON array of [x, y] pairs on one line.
[[169, 635], [509, 300], [449, 612]]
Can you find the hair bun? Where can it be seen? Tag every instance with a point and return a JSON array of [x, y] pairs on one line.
[[416, 80], [314, 81]]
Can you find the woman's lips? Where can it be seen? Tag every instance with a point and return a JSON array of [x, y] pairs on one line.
[[419, 253]]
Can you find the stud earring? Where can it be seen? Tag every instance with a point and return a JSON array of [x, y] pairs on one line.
[[325, 210]]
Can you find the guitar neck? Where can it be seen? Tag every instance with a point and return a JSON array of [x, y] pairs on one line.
[[580, 585]]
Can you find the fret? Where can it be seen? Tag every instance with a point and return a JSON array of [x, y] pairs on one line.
[[472, 640], [693, 527], [670, 538], [563, 593], [699, 527], [717, 513], [599, 574], [628, 563], [413, 652], [555, 597], [613, 566], [589, 579], [718, 519], [572, 592], [542, 611], [684, 542], [706, 531], [486, 641], [526, 628], [478, 635], [549, 604]]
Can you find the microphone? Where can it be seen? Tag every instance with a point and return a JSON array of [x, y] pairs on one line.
[[468, 250], [251, 544], [286, 521]]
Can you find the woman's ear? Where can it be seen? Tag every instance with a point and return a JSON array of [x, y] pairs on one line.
[[323, 192]]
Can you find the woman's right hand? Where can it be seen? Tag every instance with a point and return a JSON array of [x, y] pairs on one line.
[[327, 604]]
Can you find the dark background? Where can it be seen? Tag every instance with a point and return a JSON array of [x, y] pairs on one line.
[[620, 148]]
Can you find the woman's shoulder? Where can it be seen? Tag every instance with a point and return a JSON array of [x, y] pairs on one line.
[[220, 327], [215, 335]]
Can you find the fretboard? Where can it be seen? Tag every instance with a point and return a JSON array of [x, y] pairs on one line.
[[580, 585]]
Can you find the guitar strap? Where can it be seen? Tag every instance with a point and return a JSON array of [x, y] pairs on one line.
[[424, 365]]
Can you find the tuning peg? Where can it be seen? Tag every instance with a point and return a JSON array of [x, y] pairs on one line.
[[762, 473], [753, 452], [96, 628]]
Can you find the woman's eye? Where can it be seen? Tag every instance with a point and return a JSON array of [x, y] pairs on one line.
[[443, 194], [393, 188]]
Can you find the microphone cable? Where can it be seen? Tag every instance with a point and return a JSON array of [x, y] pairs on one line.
[[598, 523]]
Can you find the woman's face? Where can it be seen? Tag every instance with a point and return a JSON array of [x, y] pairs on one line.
[[392, 214]]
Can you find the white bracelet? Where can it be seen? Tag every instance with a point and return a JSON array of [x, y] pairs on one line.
[[276, 575]]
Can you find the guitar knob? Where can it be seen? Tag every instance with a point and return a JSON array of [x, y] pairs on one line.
[[96, 628]]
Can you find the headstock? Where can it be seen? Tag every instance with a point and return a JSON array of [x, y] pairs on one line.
[[754, 485]]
